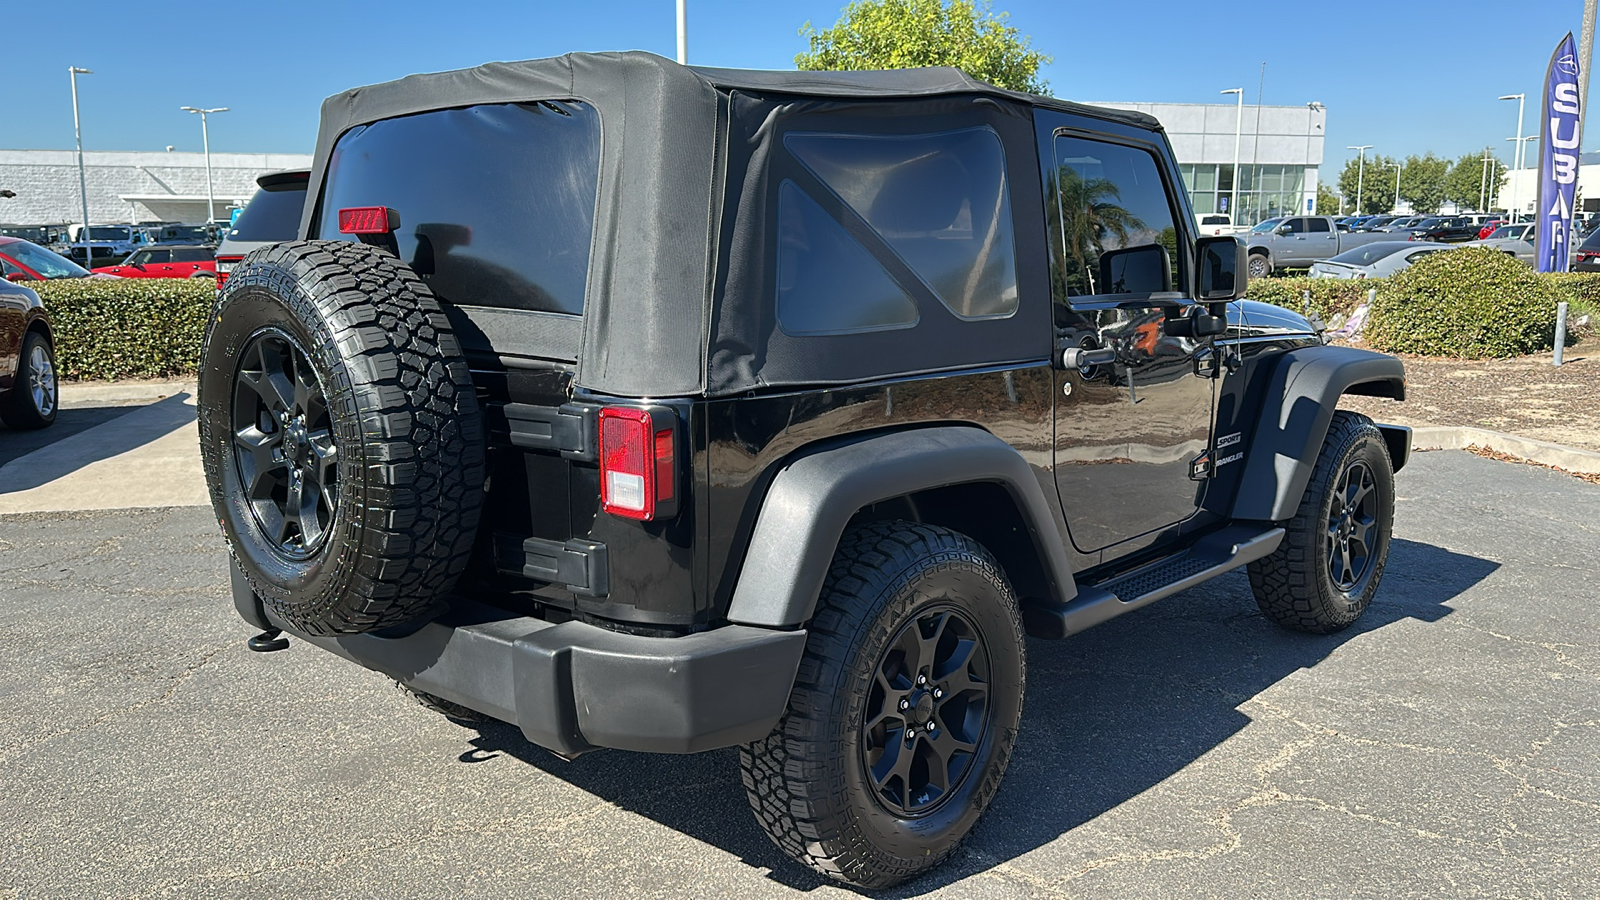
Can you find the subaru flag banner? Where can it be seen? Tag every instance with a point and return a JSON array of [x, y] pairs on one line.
[[1559, 133]]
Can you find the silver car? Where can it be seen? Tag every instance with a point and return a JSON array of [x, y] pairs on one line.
[[1376, 260], [1515, 241]]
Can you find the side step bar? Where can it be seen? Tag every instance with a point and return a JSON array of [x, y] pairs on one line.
[[1213, 555]]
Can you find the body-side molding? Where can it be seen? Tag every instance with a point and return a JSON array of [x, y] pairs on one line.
[[813, 497], [1298, 405]]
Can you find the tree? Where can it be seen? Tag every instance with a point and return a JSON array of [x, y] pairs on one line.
[[1466, 185], [1088, 217], [900, 34], [1377, 190], [1327, 201], [1422, 184]]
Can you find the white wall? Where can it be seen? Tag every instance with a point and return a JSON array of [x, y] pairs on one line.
[[1522, 188], [129, 186]]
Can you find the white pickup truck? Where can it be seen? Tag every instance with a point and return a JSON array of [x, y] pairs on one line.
[[1214, 224]]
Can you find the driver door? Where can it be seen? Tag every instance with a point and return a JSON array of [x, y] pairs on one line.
[[1133, 414]]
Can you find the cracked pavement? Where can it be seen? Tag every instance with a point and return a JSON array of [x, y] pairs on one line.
[[1446, 746]]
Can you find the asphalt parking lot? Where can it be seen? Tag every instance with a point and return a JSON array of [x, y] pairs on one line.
[[1447, 746]]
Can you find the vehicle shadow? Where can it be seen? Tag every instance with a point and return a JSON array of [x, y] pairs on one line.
[[1109, 714], [29, 459]]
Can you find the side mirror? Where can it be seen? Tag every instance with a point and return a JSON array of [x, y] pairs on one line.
[[1146, 269], [15, 277], [1282, 229], [1221, 263]]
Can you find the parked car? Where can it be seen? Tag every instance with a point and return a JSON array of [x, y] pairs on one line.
[[1586, 257], [179, 234], [43, 235], [1489, 228], [1373, 223], [22, 260], [29, 392], [799, 406], [167, 261], [1515, 241], [1376, 260], [106, 244], [1402, 224], [1295, 242], [1447, 230], [272, 215]]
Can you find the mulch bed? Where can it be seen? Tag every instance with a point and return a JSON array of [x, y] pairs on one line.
[[1525, 396]]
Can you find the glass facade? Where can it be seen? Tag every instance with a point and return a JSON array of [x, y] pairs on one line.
[[1264, 191]]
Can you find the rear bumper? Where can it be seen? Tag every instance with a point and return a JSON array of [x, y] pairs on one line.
[[575, 687]]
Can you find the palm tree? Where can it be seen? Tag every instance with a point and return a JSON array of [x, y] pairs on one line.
[[1085, 215]]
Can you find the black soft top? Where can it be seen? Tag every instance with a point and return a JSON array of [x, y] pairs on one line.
[[656, 225]]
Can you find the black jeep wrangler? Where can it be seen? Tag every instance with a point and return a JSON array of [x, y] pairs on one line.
[[671, 409]]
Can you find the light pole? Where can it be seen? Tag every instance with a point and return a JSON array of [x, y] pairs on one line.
[[83, 181], [1238, 126], [1361, 173], [205, 137], [1516, 157], [683, 32], [1396, 167]]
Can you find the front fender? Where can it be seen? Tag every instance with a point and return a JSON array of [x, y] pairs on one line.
[[812, 499], [1302, 392]]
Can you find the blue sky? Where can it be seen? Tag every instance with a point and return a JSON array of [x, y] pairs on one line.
[[1407, 76]]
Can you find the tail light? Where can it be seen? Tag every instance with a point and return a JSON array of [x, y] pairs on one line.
[[638, 455], [368, 220], [225, 265]]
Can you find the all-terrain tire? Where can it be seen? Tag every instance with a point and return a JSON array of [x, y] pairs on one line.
[[809, 781], [398, 408], [35, 391], [1296, 586]]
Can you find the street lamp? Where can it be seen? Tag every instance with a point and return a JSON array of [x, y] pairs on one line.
[[205, 137], [83, 182], [1361, 173], [1516, 157], [683, 33], [1238, 125], [1396, 167]]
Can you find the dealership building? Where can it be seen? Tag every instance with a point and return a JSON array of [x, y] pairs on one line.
[[1279, 152], [129, 186]]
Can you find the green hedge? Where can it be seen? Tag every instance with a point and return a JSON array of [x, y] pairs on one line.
[[1328, 295], [1472, 302], [127, 327]]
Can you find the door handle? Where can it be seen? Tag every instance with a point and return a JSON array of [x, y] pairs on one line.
[[1079, 358]]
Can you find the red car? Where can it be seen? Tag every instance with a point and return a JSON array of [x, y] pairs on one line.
[[1488, 228], [22, 260], [166, 261]]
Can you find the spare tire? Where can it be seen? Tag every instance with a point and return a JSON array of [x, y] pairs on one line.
[[341, 436]]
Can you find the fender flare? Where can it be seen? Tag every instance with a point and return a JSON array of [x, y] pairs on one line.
[[1301, 394], [813, 497]]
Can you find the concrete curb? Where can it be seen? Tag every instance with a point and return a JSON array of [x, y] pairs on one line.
[[1433, 437]]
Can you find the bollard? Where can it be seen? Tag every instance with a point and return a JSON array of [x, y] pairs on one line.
[[1372, 297], [1561, 331]]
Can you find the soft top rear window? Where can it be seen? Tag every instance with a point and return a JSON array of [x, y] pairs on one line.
[[496, 202]]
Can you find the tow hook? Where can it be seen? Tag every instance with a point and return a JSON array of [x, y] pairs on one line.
[[268, 641]]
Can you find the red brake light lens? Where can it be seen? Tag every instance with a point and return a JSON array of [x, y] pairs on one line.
[[225, 266], [365, 220], [637, 463]]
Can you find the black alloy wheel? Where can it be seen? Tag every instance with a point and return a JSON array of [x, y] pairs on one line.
[[1352, 524], [1326, 570], [926, 713], [286, 457]]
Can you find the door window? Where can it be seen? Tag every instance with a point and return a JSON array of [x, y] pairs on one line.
[[1108, 198], [1318, 226]]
